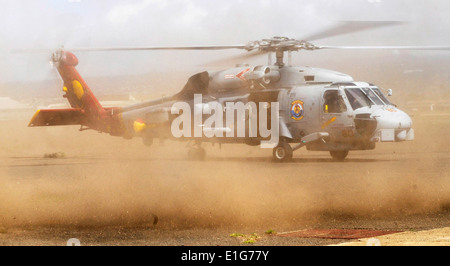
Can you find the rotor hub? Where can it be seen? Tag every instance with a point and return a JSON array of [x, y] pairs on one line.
[[279, 45]]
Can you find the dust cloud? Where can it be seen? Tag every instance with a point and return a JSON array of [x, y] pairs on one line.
[[100, 180]]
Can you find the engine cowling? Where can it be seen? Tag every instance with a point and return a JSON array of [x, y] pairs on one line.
[[240, 77], [265, 74]]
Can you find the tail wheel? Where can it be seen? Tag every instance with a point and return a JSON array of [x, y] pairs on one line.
[[339, 155], [283, 152]]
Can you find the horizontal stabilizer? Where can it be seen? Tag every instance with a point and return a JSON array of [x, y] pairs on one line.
[[57, 117]]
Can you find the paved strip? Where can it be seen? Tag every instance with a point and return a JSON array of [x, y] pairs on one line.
[[434, 237], [337, 233]]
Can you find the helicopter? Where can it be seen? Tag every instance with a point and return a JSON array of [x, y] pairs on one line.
[[277, 106]]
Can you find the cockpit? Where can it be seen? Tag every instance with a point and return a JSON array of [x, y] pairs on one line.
[[374, 115]]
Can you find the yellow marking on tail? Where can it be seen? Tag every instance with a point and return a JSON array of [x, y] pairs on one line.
[[78, 89], [34, 117], [139, 126]]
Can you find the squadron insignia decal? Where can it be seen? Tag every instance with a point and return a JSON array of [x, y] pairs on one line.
[[297, 110]]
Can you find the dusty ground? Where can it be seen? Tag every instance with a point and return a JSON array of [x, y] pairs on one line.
[[104, 190]]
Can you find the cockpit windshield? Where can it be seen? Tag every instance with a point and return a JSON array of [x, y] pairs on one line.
[[372, 96], [357, 98], [382, 97], [361, 97]]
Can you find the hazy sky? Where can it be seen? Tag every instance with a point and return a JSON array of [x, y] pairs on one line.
[[114, 23]]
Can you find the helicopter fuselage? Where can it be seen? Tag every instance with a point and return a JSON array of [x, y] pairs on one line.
[[323, 116], [321, 109]]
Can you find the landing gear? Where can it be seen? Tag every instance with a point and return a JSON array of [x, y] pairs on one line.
[[339, 155], [283, 152], [148, 141], [196, 152]]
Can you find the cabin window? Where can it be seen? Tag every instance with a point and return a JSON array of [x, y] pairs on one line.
[[309, 78], [333, 102]]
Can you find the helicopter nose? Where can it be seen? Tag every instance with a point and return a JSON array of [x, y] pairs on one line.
[[393, 119], [393, 125]]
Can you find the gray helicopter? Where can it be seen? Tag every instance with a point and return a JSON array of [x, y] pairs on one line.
[[280, 107]]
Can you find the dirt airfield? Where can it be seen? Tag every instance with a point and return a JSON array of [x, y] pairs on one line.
[[105, 190]]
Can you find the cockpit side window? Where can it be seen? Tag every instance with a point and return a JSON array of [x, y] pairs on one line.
[[334, 103]]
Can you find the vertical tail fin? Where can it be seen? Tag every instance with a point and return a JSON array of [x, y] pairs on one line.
[[77, 92], [86, 109]]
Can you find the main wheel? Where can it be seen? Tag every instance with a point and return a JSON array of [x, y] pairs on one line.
[[283, 152], [148, 141], [197, 154], [339, 155]]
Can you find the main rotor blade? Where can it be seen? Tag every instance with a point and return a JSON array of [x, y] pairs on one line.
[[235, 59], [100, 49], [213, 47], [345, 27], [442, 48]]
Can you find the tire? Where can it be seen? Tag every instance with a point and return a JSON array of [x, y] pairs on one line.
[[197, 154], [147, 141], [339, 155], [282, 153]]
